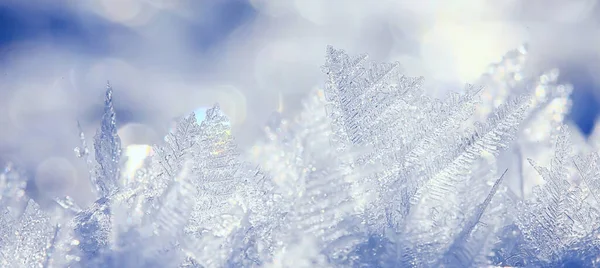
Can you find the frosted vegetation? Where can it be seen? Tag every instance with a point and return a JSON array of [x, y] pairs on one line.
[[372, 173]]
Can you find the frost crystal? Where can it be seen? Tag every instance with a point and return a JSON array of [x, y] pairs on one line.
[[31, 234], [559, 222], [312, 185], [107, 145], [372, 173]]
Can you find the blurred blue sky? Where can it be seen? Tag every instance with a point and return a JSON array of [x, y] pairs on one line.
[[21, 23], [585, 98], [166, 58], [87, 32]]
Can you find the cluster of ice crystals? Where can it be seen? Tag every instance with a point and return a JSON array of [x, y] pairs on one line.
[[372, 173]]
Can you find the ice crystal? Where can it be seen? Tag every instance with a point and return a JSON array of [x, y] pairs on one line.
[[30, 239], [373, 172], [169, 158], [559, 219], [550, 103], [107, 145], [312, 185], [411, 135]]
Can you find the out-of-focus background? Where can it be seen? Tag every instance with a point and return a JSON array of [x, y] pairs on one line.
[[166, 58]]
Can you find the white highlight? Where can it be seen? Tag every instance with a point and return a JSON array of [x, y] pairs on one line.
[[136, 155]]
